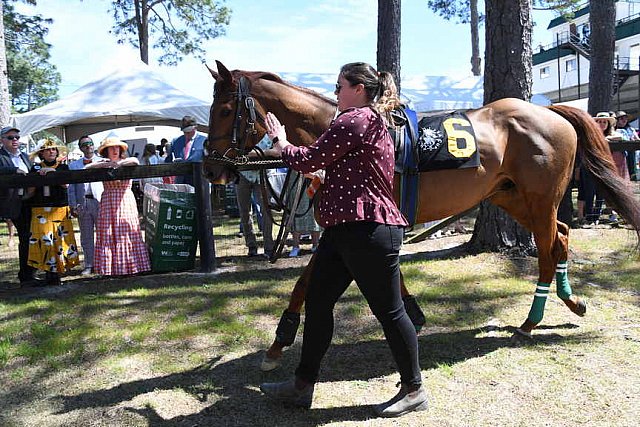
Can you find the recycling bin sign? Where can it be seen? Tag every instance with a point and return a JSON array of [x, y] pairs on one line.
[[170, 226]]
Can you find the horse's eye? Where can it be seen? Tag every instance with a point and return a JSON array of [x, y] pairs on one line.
[[226, 112]]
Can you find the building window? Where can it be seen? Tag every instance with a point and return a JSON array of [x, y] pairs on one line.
[[545, 72], [570, 65]]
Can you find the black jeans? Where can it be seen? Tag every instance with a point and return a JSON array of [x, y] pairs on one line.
[[368, 253], [587, 191], [23, 229]]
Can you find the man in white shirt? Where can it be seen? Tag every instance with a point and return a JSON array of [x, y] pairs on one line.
[[84, 201], [12, 206]]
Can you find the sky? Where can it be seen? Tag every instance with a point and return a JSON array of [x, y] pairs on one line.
[[280, 36]]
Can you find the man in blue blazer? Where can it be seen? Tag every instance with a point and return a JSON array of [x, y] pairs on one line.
[[187, 148], [12, 206]]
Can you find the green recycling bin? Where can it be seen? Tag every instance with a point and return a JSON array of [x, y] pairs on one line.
[[170, 226]]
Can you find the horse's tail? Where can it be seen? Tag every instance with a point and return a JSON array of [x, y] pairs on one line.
[[596, 158]]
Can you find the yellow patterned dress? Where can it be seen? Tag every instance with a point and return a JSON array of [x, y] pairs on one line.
[[52, 245]]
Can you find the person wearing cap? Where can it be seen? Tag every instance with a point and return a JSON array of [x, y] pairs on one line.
[[189, 147], [52, 246], [120, 249], [629, 134], [12, 203], [84, 201]]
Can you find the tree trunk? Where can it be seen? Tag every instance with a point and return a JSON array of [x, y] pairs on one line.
[[507, 73], [142, 21], [5, 101], [388, 56], [508, 55], [476, 61], [602, 21]]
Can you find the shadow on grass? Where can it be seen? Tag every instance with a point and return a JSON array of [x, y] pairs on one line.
[[232, 386]]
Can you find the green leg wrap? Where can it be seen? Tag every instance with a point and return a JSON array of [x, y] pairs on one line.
[[539, 300], [563, 288]]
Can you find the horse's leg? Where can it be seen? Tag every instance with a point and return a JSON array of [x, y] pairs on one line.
[[552, 242], [289, 321], [563, 288]]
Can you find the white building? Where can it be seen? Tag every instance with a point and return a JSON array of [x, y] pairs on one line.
[[561, 69]]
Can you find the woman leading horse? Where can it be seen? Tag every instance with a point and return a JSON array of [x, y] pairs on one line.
[[527, 154]]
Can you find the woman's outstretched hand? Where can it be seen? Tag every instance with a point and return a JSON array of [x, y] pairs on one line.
[[276, 131]]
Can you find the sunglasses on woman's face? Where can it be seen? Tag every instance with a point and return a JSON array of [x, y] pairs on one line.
[[12, 138]]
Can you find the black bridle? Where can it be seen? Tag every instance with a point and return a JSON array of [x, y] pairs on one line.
[[247, 114]]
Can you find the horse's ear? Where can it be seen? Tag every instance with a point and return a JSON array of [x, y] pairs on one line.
[[224, 73], [215, 75]]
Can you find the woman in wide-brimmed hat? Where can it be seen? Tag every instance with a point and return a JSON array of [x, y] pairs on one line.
[[629, 134], [607, 123], [605, 117], [113, 141], [52, 246], [120, 249], [48, 144]]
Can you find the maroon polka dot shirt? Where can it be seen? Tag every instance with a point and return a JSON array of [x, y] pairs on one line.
[[357, 154]]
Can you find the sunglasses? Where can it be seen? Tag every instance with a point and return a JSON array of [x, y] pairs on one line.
[[12, 138], [338, 87]]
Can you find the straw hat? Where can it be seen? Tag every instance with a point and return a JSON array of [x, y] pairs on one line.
[[605, 116], [111, 141], [46, 144]]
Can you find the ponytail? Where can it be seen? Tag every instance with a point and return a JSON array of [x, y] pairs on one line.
[[387, 98], [381, 88]]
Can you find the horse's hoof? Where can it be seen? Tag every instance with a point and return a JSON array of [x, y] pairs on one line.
[[581, 308], [520, 335], [269, 364]]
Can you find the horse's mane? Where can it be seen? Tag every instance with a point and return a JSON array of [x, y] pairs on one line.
[[265, 75]]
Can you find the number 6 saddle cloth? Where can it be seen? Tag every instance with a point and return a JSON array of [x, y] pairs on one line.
[[440, 140]]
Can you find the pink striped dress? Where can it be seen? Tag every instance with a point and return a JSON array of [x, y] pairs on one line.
[[119, 246]]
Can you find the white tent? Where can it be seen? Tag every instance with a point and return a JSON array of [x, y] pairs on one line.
[[135, 96], [426, 93]]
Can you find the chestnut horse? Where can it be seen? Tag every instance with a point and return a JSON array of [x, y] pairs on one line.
[[527, 157]]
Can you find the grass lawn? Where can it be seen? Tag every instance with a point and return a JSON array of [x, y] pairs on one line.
[[184, 350]]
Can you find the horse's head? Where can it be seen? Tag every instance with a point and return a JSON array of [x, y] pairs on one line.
[[235, 124], [241, 100]]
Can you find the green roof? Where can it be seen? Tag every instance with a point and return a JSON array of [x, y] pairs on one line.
[[561, 19], [628, 29], [551, 54]]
